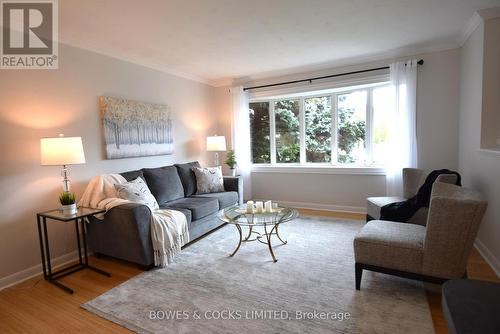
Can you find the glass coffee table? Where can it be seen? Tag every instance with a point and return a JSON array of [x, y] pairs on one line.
[[268, 222]]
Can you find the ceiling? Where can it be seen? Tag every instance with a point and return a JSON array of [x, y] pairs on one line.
[[215, 41]]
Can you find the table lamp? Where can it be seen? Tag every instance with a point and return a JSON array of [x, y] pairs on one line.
[[216, 144], [62, 151]]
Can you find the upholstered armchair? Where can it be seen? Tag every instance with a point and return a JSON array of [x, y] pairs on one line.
[[413, 178], [435, 252]]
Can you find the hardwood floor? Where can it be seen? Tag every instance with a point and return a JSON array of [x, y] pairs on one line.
[[36, 306]]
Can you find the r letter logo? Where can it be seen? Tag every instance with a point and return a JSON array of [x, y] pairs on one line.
[[29, 34]]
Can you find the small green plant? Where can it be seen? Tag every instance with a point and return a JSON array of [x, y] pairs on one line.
[[67, 198], [231, 159]]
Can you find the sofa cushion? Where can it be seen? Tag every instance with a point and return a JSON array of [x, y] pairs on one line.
[[390, 245], [226, 198], [186, 212], [164, 183], [133, 174], [187, 176], [136, 191], [374, 204], [199, 206], [209, 180]]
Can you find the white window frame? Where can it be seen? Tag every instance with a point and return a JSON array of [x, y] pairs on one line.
[[368, 168]]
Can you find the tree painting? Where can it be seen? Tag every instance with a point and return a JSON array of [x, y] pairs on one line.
[[135, 129]]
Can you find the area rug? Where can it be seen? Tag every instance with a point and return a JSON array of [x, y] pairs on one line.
[[309, 290]]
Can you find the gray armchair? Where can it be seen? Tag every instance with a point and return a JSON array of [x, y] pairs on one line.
[[413, 179], [435, 252]]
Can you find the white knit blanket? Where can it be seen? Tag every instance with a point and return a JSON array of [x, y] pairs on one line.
[[169, 231]]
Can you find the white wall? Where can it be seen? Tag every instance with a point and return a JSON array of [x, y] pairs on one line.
[[42, 103], [480, 168], [437, 131]]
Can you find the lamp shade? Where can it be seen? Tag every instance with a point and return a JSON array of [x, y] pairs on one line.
[[216, 143], [59, 151]]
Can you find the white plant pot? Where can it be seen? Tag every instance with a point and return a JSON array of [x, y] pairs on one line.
[[233, 171], [69, 210]]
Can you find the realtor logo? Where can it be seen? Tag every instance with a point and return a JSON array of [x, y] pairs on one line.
[[29, 34]]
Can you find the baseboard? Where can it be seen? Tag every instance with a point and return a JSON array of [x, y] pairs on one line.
[[323, 207], [31, 272], [488, 256]]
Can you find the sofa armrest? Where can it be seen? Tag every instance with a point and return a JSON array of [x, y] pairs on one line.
[[234, 183], [124, 233]]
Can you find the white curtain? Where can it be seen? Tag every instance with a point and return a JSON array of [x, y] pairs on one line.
[[241, 137], [402, 134]]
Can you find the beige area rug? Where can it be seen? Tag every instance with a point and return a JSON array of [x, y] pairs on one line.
[[309, 290]]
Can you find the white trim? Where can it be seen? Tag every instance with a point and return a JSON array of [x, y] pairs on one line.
[[353, 63], [321, 169], [490, 151], [471, 25], [488, 256], [319, 206], [36, 270], [138, 61], [323, 88]]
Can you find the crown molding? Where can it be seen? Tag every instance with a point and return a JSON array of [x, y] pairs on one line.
[[471, 25], [347, 62], [140, 62]]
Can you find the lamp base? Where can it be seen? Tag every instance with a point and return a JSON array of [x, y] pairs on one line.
[[216, 159]]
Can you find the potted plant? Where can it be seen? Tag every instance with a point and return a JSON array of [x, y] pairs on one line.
[[231, 161], [68, 203]]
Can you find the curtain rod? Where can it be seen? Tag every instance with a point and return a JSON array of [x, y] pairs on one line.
[[420, 62]]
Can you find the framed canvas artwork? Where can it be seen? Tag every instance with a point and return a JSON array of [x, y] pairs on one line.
[[135, 129]]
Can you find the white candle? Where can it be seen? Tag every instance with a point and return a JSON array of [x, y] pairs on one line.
[[250, 207], [268, 206], [275, 206], [259, 206]]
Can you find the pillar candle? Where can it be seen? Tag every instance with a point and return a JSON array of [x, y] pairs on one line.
[[250, 207], [259, 206], [268, 206]]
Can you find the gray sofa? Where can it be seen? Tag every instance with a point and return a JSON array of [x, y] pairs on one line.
[[124, 233]]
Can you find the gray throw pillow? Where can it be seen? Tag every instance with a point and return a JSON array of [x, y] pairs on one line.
[[137, 191], [209, 180]]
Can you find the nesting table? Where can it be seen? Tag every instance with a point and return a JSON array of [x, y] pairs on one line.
[[81, 237]]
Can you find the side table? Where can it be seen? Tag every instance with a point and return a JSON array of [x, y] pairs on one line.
[[81, 233]]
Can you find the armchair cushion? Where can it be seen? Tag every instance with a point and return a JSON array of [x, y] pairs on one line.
[[375, 204], [390, 245]]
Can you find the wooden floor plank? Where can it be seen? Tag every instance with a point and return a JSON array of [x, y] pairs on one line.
[[36, 306]]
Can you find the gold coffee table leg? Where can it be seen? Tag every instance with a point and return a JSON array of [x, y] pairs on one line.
[[277, 234], [268, 236], [241, 237]]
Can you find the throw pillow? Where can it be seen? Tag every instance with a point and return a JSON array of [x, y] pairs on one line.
[[209, 180], [137, 191]]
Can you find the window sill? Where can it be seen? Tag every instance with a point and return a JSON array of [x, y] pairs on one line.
[[490, 151], [302, 169]]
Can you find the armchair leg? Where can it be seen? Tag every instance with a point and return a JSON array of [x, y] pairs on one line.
[[359, 272]]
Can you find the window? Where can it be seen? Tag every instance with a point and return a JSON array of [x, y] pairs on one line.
[[318, 124], [344, 127], [286, 120], [259, 132]]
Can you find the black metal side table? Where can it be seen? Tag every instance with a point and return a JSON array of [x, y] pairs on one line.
[[83, 262]]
